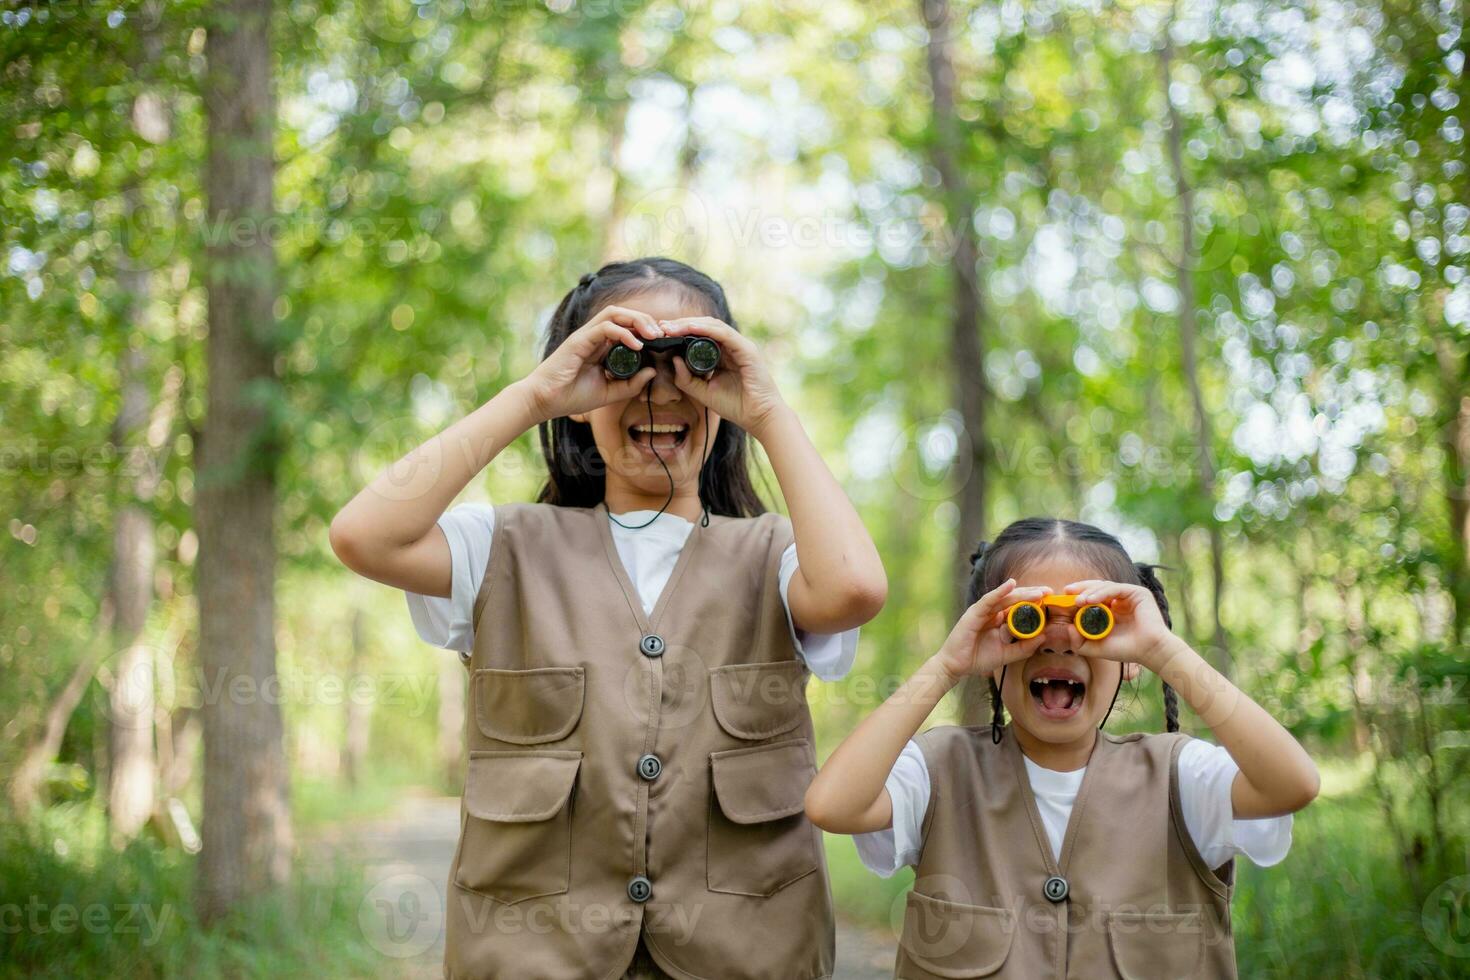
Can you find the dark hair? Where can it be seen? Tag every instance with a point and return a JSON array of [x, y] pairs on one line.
[[1030, 538], [575, 469]]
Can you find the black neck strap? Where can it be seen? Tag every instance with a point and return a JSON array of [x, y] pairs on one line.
[[703, 448]]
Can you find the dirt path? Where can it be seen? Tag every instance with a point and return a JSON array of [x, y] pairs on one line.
[[407, 855]]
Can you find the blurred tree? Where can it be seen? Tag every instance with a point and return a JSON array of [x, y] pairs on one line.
[[967, 321], [1189, 344], [968, 317], [132, 764], [246, 826]]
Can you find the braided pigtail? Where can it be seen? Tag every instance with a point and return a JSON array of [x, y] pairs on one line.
[[972, 594], [1151, 582]]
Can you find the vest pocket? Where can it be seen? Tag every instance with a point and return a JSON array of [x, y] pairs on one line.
[[949, 940], [517, 838], [759, 838], [527, 707], [1161, 945], [758, 701]]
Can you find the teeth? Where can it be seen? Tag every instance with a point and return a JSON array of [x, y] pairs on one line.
[[1075, 688], [659, 427]]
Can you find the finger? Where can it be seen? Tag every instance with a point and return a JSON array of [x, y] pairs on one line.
[[592, 342], [616, 332], [1006, 594], [707, 326], [1099, 586], [636, 319], [1103, 591], [619, 390], [1021, 593], [990, 601], [594, 348]]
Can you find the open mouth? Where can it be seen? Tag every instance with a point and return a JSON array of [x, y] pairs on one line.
[[1058, 695], [661, 436]]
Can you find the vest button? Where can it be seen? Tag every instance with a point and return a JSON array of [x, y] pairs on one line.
[[652, 645], [639, 889], [1055, 888], [649, 766]]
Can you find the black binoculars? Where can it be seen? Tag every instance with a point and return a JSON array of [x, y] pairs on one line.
[[701, 355]]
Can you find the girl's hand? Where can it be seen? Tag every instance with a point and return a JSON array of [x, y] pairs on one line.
[[1138, 631], [980, 642], [740, 389], [573, 380]]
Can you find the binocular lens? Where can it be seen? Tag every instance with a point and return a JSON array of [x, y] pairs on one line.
[[623, 362], [702, 355], [1026, 619], [1094, 621]]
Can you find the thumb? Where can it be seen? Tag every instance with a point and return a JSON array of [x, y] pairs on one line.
[[689, 382]]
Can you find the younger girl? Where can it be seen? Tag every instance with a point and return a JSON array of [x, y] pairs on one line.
[[1047, 847], [638, 644]]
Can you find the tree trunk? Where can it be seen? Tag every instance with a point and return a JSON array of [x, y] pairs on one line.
[[968, 388], [359, 711], [132, 770], [966, 357], [1454, 373], [30, 775], [1188, 340], [246, 822], [180, 731], [133, 762]]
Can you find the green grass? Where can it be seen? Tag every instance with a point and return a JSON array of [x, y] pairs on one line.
[[1342, 897], [71, 906], [1341, 905]]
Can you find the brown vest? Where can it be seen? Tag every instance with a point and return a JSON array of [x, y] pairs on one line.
[[633, 774], [1138, 899]]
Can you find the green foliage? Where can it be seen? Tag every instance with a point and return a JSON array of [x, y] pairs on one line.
[[75, 907]]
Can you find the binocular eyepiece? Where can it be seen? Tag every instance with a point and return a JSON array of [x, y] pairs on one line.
[[1027, 619], [701, 355]]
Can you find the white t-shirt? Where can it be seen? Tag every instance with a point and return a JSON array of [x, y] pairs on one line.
[[1205, 774], [648, 554]]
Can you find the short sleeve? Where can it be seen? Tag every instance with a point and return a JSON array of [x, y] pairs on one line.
[[1206, 773], [828, 655], [885, 851], [448, 621]]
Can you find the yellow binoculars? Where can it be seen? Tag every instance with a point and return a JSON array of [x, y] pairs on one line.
[[1026, 619]]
